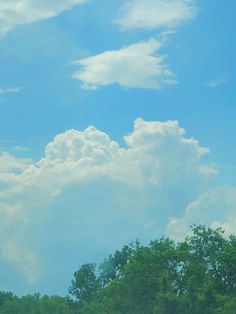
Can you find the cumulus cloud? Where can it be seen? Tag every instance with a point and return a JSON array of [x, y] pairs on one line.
[[157, 153], [89, 189], [18, 12], [215, 208], [156, 14], [165, 155], [135, 66]]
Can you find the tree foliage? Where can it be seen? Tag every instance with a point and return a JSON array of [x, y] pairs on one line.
[[35, 304], [197, 275]]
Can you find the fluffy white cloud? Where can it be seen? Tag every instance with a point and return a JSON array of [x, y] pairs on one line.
[[157, 154], [215, 208], [18, 12], [135, 66], [156, 14], [89, 189]]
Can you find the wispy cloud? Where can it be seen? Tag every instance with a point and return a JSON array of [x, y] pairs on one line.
[[135, 66], [18, 12], [9, 163], [220, 80], [20, 148], [156, 14], [10, 90]]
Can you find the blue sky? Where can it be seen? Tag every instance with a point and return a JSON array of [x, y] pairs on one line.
[[94, 101]]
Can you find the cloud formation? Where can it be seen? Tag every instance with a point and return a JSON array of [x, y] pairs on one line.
[[156, 14], [19, 12], [157, 154], [135, 66], [215, 208], [89, 189]]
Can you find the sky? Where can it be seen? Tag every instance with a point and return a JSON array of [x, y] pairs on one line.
[[117, 123]]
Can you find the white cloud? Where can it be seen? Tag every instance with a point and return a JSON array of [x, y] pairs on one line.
[[10, 90], [9, 163], [135, 66], [156, 14], [157, 154], [22, 258], [221, 80], [215, 208], [89, 189], [18, 12]]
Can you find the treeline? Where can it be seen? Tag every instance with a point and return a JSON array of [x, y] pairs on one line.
[[35, 304], [195, 276]]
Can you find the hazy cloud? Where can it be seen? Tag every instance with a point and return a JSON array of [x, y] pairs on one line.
[[10, 90], [221, 80], [21, 258], [10, 163]]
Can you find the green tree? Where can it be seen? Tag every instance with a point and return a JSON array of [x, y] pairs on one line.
[[85, 286], [197, 275], [112, 267]]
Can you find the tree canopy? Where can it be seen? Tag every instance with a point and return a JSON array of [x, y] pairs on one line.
[[197, 275]]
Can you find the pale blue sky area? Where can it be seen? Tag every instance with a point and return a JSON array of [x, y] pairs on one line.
[[78, 201]]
